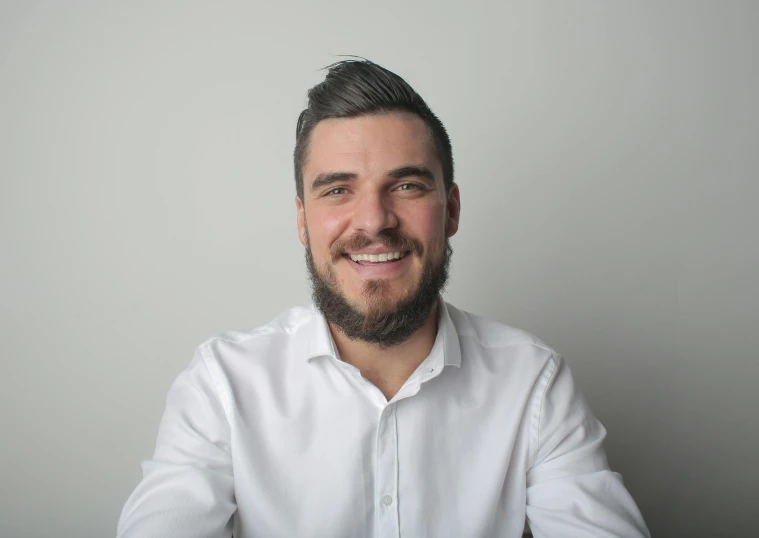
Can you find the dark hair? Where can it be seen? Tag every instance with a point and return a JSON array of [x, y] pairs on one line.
[[355, 88]]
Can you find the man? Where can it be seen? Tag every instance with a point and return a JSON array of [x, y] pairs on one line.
[[381, 410]]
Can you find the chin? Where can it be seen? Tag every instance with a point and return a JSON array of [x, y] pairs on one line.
[[381, 296]]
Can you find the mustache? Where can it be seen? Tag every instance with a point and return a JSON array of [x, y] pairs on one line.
[[392, 240]]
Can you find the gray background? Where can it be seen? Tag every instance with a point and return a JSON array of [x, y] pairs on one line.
[[606, 153]]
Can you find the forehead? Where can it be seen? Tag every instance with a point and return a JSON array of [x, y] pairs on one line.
[[369, 145]]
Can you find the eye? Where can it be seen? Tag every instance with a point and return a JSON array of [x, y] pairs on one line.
[[409, 187], [337, 191]]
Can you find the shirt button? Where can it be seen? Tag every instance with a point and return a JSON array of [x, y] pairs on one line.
[[387, 500]]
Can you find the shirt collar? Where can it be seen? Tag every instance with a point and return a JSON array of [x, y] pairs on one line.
[[446, 328], [319, 343]]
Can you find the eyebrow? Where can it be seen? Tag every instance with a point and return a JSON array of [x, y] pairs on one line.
[[413, 170], [328, 178]]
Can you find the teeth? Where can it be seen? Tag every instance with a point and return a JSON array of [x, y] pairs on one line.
[[376, 258]]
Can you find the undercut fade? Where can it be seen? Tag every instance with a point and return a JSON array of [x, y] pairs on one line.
[[358, 87]]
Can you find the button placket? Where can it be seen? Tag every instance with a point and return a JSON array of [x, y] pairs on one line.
[[387, 474]]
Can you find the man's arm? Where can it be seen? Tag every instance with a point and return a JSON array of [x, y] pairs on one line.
[[570, 489], [187, 488]]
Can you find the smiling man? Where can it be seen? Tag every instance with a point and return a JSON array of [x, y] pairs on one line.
[[380, 410], [375, 220]]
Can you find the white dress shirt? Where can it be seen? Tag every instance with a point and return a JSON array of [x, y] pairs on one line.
[[268, 433]]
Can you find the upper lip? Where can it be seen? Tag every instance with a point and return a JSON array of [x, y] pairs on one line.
[[375, 250]]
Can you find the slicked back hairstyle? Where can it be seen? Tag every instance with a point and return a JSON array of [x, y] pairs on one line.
[[354, 88]]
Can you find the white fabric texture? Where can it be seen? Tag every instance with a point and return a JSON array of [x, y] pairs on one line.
[[268, 433]]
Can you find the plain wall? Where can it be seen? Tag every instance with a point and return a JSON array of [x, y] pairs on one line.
[[607, 155]]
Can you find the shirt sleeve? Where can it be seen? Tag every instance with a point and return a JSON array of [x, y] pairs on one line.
[[570, 489], [187, 489]]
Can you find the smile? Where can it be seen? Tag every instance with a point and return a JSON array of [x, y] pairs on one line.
[[383, 257]]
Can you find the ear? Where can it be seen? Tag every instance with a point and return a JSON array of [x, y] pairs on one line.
[[301, 220], [453, 211]]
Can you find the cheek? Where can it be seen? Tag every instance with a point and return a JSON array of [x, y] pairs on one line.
[[427, 223], [323, 229]]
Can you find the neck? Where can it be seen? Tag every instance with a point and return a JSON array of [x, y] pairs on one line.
[[388, 368]]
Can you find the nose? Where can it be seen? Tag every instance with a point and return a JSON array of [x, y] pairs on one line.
[[374, 213]]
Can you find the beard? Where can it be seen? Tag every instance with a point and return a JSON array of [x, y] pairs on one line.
[[384, 322]]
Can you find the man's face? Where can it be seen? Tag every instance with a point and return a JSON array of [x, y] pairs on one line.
[[375, 216]]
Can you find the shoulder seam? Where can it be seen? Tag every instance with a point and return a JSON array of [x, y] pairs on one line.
[[548, 373], [263, 329], [221, 393], [508, 344], [248, 334]]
